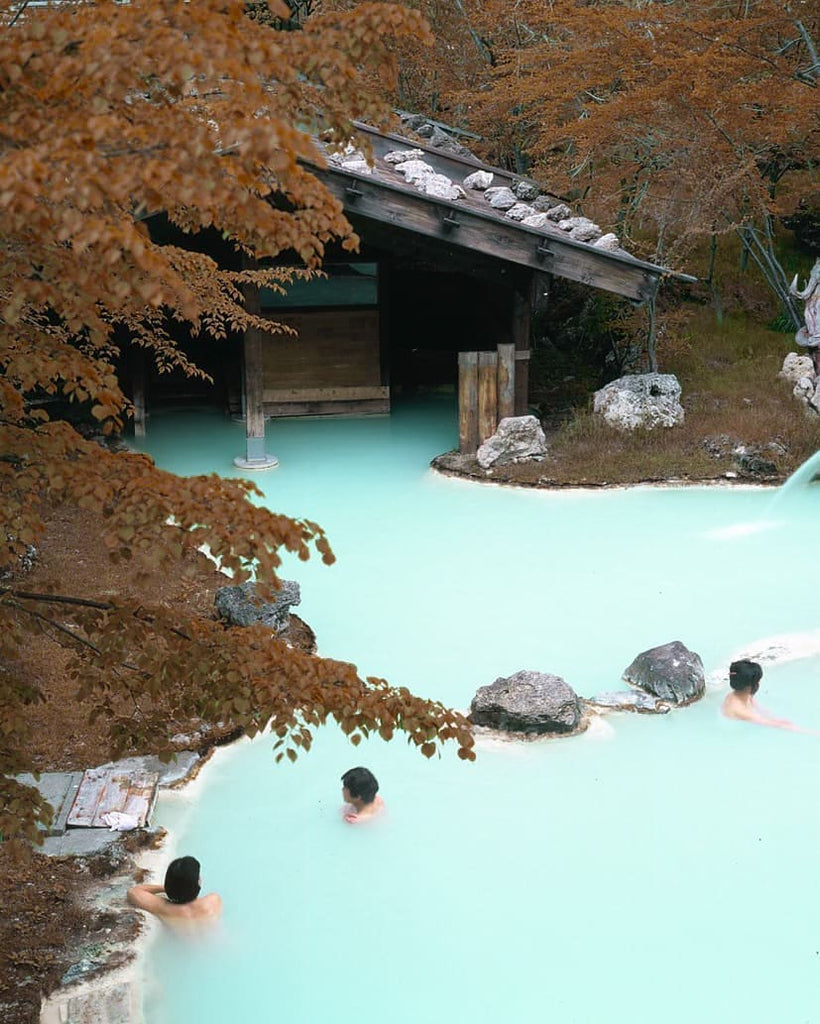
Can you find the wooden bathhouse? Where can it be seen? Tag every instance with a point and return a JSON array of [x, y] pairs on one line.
[[455, 256]]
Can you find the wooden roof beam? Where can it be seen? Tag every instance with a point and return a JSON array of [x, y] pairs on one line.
[[376, 200]]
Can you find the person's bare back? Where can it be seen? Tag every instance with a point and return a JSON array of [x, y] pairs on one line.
[[745, 709], [739, 703], [178, 902]]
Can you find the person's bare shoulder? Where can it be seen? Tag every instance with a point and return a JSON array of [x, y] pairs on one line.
[[734, 708], [210, 905]]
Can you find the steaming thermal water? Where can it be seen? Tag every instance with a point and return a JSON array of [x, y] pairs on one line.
[[656, 869]]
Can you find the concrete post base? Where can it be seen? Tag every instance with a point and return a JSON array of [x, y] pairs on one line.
[[266, 462]]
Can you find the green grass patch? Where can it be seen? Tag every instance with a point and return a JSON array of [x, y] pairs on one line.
[[730, 390]]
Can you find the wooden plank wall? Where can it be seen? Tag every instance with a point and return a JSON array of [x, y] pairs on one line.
[[332, 367]]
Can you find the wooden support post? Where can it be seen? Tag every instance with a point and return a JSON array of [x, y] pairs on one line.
[[522, 306], [467, 402], [254, 413], [253, 388], [487, 395], [138, 376], [506, 381]]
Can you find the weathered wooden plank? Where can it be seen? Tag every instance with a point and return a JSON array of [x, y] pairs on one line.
[[334, 348], [109, 789], [506, 381], [364, 407], [252, 377], [253, 370], [138, 379], [339, 394], [381, 201], [487, 395], [467, 402], [522, 304]]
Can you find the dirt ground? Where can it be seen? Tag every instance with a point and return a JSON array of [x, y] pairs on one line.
[[46, 916]]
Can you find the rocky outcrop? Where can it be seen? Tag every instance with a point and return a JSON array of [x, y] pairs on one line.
[[645, 400], [239, 605], [517, 439], [671, 672], [799, 371], [796, 366], [528, 702], [752, 462]]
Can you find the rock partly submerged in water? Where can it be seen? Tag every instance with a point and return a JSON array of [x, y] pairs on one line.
[[671, 672], [528, 702], [626, 700]]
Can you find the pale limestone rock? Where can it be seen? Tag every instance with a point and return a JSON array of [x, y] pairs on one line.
[[441, 186], [517, 439], [804, 388], [536, 220], [356, 164], [608, 242], [415, 170], [518, 212], [401, 156], [586, 232], [581, 229], [795, 367], [480, 180], [526, 191], [646, 400], [500, 198], [559, 212]]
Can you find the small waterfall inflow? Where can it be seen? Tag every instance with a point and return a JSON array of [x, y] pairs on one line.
[[797, 485]]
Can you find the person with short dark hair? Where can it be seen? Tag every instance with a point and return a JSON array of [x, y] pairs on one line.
[[360, 793], [182, 904], [744, 679]]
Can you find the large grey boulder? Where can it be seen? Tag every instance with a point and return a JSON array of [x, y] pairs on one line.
[[517, 439], [671, 672], [646, 400], [529, 702], [239, 606]]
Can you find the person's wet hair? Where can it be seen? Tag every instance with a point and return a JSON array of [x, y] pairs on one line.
[[361, 783], [182, 880], [745, 675]]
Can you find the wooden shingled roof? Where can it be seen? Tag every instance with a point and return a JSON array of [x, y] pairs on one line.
[[379, 191]]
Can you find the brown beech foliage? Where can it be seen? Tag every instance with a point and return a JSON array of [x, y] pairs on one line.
[[109, 112], [677, 119]]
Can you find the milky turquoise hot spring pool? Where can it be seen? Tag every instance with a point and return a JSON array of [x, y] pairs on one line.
[[656, 869]]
